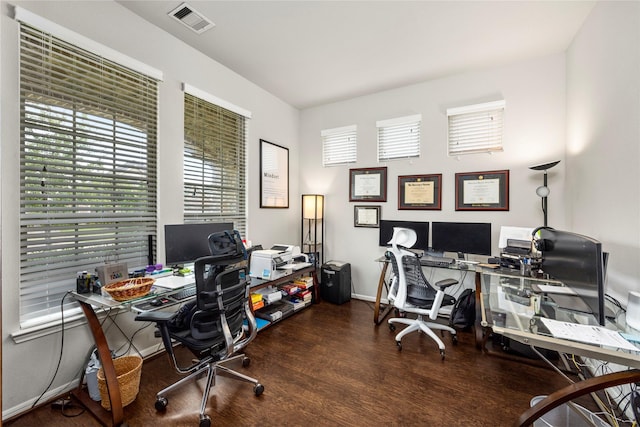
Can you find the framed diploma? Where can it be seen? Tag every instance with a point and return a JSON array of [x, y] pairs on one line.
[[482, 191], [422, 192], [368, 185], [366, 216], [274, 175]]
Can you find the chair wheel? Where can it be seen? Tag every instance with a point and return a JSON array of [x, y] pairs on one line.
[[161, 403], [246, 362], [399, 345], [442, 354], [454, 338], [205, 421], [258, 389], [392, 327]]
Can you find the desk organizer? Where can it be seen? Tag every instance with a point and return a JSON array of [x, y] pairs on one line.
[[124, 290]]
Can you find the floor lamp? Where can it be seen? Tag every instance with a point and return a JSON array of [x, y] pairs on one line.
[[543, 191], [313, 226]]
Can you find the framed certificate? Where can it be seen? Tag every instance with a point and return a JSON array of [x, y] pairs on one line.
[[482, 191], [420, 192], [274, 175], [368, 185], [366, 216]]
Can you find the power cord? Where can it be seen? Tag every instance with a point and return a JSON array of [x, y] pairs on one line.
[[61, 350]]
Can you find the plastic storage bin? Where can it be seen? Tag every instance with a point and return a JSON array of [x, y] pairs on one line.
[[565, 416]]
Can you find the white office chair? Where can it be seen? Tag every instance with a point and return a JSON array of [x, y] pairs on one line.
[[412, 293]]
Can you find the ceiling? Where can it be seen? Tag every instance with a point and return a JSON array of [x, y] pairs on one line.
[[309, 53]]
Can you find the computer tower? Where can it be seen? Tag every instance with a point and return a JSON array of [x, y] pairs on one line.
[[335, 282]]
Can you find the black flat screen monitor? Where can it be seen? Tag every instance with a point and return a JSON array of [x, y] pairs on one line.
[[421, 229], [184, 243], [578, 262], [461, 237]]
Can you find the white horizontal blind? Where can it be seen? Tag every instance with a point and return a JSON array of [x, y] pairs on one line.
[[476, 128], [215, 142], [339, 145], [399, 138], [87, 168]]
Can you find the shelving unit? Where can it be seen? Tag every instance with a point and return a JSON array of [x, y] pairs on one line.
[[287, 309]]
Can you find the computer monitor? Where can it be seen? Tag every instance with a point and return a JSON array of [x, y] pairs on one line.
[[420, 227], [578, 262], [461, 237], [184, 243]]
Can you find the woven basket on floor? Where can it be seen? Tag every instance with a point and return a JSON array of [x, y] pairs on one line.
[[128, 369], [124, 290]]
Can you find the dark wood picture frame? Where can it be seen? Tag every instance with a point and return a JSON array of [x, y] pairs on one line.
[[274, 175], [366, 216], [482, 191], [420, 192], [368, 185]]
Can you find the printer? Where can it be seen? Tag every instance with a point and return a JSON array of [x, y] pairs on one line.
[[264, 263]]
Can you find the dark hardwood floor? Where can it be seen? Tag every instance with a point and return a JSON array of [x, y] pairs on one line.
[[330, 365]]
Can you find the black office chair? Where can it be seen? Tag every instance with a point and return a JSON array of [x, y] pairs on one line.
[[212, 328]]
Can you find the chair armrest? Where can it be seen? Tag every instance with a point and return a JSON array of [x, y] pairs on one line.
[[155, 316], [445, 283]]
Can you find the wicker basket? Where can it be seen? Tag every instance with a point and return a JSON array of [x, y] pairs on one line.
[[128, 369], [124, 290]]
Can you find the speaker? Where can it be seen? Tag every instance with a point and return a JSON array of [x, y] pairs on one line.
[[335, 282]]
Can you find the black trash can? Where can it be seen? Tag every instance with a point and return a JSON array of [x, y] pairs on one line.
[[335, 282]]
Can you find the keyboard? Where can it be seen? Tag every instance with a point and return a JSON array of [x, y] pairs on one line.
[[185, 293]]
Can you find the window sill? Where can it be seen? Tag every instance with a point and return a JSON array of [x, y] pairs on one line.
[[35, 332]]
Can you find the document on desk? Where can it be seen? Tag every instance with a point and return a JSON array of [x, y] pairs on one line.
[[554, 289], [588, 334]]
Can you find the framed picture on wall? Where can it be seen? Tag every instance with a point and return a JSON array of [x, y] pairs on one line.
[[420, 192], [368, 185], [366, 216], [274, 175], [482, 191]]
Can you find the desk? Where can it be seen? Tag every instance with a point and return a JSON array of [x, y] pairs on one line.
[[505, 311], [87, 303]]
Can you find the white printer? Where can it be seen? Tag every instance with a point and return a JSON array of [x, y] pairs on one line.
[[264, 263]]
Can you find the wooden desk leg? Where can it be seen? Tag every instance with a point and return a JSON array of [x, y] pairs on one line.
[[480, 334], [316, 286], [377, 317], [111, 379]]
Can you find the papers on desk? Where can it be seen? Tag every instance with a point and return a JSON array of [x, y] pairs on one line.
[[294, 266], [587, 334]]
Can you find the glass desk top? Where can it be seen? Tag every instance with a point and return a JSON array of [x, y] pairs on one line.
[[514, 306]]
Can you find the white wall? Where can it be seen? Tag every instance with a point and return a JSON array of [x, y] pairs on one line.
[[29, 366], [603, 138], [534, 133]]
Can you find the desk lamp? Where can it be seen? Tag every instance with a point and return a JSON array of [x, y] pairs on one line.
[[543, 191]]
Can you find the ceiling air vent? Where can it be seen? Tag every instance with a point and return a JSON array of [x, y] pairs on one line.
[[191, 18]]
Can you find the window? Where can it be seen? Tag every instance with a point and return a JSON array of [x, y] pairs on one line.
[[87, 168], [339, 145], [399, 138], [476, 128], [214, 161]]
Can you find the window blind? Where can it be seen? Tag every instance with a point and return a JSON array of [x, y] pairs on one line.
[[214, 163], [476, 128], [87, 168], [339, 145], [399, 138]]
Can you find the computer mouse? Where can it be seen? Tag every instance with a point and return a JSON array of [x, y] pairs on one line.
[[155, 302]]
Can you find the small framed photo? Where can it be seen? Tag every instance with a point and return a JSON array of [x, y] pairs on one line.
[[366, 216], [482, 191], [420, 192], [368, 185]]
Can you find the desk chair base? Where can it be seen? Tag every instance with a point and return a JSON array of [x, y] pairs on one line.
[[419, 324], [209, 369]]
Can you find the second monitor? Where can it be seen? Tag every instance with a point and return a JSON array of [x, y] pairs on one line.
[[461, 237]]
